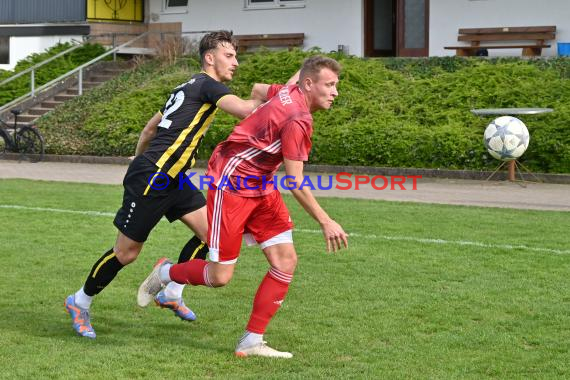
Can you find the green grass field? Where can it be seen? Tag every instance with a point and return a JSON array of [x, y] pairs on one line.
[[424, 291]]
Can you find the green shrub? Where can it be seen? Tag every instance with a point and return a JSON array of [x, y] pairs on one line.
[[393, 112]]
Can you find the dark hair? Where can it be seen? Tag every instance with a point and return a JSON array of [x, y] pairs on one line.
[[211, 41], [312, 66]]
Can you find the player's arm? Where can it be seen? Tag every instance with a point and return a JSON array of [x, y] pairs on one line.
[[236, 106], [294, 79], [241, 108], [332, 231], [260, 90], [148, 133]]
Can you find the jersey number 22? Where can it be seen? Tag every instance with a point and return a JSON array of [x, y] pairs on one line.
[[173, 103]]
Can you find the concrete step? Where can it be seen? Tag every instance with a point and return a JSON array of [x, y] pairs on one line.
[[38, 111], [75, 90], [63, 97], [89, 84], [113, 72], [50, 104], [100, 78], [21, 123], [86, 86], [27, 118]]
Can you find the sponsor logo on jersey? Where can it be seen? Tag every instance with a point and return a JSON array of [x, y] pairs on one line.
[[284, 96]]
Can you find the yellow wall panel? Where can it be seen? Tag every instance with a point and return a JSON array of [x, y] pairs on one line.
[[115, 10]]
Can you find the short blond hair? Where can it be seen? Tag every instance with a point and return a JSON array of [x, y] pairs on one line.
[[312, 66]]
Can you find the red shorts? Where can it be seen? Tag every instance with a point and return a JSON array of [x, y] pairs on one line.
[[230, 216]]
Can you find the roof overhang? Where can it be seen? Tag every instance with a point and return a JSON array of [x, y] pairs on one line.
[[28, 30]]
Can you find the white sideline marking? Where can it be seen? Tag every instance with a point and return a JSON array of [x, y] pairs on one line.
[[454, 242], [508, 247], [90, 213]]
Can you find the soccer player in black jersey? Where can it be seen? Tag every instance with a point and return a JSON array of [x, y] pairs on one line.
[[167, 146]]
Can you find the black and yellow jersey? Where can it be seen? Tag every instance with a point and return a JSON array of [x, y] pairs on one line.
[[186, 117]]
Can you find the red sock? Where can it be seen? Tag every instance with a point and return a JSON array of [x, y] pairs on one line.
[[193, 272], [268, 299]]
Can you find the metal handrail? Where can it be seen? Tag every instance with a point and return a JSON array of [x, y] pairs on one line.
[[37, 65], [70, 73], [112, 35], [79, 69]]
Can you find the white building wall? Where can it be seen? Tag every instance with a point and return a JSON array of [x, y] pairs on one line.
[[21, 47], [326, 23], [447, 16]]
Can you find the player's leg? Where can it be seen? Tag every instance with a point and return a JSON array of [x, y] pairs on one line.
[[135, 219], [275, 285], [102, 273], [282, 258], [190, 204], [190, 208], [227, 215], [196, 272], [197, 221], [171, 296], [268, 299]]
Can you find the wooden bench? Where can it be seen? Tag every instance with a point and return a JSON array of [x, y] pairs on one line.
[[288, 40], [533, 39]]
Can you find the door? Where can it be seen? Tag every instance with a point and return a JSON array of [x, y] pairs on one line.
[[396, 28], [412, 27], [380, 28]]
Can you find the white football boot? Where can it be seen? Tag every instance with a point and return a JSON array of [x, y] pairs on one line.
[[152, 284], [261, 349]]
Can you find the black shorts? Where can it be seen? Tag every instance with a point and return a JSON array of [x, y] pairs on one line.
[[144, 205]]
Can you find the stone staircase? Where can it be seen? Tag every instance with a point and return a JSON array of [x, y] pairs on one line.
[[95, 77]]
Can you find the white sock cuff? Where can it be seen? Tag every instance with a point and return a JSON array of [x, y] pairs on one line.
[[173, 290], [250, 338], [83, 300], [164, 273]]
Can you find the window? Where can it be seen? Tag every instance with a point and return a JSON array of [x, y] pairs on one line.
[[265, 4], [175, 5]]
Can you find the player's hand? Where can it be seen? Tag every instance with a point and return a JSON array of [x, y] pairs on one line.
[[334, 236], [131, 158]]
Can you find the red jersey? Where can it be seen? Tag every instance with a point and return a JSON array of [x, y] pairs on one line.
[[246, 162]]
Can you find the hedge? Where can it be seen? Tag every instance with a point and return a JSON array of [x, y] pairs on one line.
[[394, 112]]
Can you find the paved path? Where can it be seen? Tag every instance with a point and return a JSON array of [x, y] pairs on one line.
[[504, 194]]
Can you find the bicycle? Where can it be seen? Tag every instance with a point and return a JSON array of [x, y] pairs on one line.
[[25, 140]]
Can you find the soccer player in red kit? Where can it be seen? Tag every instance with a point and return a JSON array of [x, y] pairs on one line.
[[244, 199]]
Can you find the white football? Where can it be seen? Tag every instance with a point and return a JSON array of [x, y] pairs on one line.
[[506, 138]]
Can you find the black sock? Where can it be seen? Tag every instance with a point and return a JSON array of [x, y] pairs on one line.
[[194, 249], [102, 273]]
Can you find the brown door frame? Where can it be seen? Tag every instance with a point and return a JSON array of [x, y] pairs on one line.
[[398, 32], [401, 51], [368, 10], [369, 50]]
